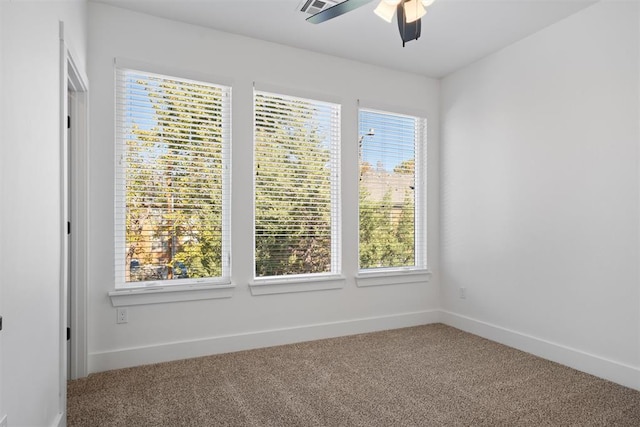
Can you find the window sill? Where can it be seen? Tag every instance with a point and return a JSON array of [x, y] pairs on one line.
[[392, 277], [295, 284], [170, 293]]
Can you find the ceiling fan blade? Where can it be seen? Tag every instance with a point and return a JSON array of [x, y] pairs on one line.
[[337, 10]]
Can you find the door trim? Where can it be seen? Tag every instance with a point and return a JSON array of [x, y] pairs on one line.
[[74, 81]]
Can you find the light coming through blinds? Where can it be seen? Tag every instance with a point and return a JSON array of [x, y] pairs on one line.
[[392, 188], [172, 179], [296, 186]]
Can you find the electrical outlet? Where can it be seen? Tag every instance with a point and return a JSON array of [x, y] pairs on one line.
[[122, 316], [3, 422], [463, 293]]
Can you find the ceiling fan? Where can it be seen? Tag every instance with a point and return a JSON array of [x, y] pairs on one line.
[[409, 13]]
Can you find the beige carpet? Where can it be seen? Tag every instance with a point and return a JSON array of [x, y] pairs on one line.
[[431, 375]]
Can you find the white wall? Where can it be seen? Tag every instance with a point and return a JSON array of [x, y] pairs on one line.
[[540, 192], [2, 410], [185, 329], [30, 222]]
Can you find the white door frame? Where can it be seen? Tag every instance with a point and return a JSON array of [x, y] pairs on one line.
[[73, 80]]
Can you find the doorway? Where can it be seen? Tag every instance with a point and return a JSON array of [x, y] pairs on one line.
[[74, 208], [75, 203]]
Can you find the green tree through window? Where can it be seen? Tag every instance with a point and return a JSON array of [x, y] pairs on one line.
[[389, 221], [296, 182], [173, 147]]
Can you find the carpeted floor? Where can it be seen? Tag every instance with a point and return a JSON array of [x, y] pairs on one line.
[[430, 375]]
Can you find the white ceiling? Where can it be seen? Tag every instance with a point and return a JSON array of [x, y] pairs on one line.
[[454, 32]]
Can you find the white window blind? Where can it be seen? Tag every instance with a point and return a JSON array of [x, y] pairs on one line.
[[297, 193], [392, 188], [172, 179]]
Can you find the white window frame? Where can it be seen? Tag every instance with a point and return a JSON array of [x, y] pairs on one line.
[[312, 281], [419, 272], [162, 291]]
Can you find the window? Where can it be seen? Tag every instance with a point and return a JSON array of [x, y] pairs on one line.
[[172, 180], [297, 215], [392, 187]]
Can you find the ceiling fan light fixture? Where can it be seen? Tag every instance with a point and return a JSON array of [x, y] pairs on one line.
[[385, 10], [408, 12], [413, 10]]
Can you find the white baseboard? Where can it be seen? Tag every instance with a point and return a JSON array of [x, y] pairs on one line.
[[620, 373], [129, 357], [60, 421]]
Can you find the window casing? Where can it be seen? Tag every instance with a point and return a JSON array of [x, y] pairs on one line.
[[296, 188], [392, 192], [172, 181]]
